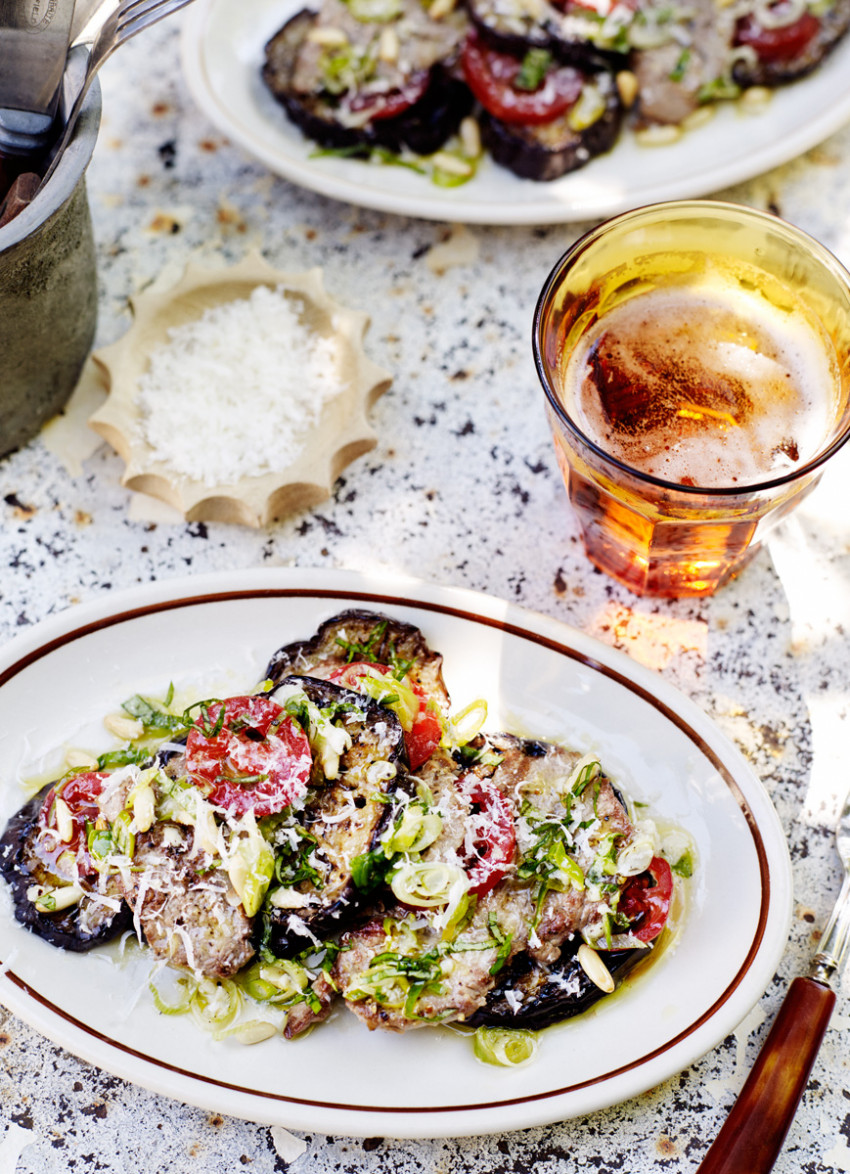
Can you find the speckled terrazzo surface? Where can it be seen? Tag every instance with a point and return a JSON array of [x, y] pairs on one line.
[[462, 489]]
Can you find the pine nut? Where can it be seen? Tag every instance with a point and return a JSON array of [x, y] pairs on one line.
[[125, 728], [64, 821], [658, 136], [80, 758], [450, 163], [330, 38], [699, 117], [755, 97], [388, 46], [595, 968], [441, 8], [470, 138], [627, 87]]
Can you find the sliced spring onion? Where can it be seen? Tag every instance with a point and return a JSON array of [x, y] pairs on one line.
[[588, 109], [215, 1004], [251, 1031], [426, 885], [250, 864], [418, 828], [508, 1048], [584, 772], [463, 727], [184, 988]]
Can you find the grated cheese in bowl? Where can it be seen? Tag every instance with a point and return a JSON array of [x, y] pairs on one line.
[[236, 392]]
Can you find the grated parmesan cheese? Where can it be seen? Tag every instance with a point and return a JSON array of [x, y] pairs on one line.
[[236, 392]]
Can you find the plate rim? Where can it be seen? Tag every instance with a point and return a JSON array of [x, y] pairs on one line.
[[451, 204], [351, 587]]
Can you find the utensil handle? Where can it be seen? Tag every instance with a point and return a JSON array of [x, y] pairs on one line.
[[754, 1131]]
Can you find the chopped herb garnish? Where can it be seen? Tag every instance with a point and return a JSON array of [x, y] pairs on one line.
[[678, 70], [129, 756], [533, 69], [367, 650], [684, 866]]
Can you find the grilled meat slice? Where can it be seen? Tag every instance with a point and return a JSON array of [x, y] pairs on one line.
[[342, 820], [396, 973], [348, 94], [403, 971], [549, 150], [696, 54], [535, 774], [364, 635], [184, 904], [304, 1015], [29, 865]]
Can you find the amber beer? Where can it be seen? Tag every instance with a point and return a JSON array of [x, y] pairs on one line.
[[695, 361]]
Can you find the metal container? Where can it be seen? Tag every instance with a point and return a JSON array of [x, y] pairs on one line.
[[48, 292]]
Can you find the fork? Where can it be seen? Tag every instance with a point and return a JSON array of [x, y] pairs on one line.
[[120, 25], [753, 1133]]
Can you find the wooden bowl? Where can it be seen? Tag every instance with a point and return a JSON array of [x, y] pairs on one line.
[[341, 434]]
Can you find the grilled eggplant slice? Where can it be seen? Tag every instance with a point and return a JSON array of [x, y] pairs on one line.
[[550, 150], [100, 913], [816, 37], [532, 995], [430, 101], [319, 849], [516, 26], [357, 635]]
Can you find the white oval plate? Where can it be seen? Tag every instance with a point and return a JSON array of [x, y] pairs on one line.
[[222, 52], [58, 681]]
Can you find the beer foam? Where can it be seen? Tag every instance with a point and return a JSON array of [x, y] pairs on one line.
[[704, 385]]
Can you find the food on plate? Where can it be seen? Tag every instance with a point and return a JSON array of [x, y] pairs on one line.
[[341, 837], [369, 73], [541, 84]]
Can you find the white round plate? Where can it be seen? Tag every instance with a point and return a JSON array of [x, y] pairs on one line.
[[540, 678], [223, 44]]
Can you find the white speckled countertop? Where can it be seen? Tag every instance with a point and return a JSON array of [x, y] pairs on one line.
[[462, 489]]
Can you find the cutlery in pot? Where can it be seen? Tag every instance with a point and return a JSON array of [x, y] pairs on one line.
[[34, 37], [753, 1133]]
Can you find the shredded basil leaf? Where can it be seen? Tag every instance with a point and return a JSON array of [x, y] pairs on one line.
[[533, 69]]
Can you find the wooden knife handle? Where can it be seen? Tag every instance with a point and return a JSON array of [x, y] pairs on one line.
[[754, 1131]]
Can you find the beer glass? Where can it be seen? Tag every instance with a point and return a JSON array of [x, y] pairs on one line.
[[716, 340]]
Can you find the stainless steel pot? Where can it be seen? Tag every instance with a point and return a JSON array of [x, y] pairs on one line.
[[48, 292]]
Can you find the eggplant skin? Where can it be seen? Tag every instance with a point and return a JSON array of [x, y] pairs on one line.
[[397, 641], [423, 128], [336, 903], [544, 153], [834, 23], [78, 928], [549, 994], [519, 36]]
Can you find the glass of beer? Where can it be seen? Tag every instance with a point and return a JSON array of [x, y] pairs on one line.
[[695, 357]]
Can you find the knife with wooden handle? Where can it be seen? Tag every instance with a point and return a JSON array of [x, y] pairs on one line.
[[753, 1133]]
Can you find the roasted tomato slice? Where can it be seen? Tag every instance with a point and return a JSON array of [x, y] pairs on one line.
[[777, 44], [491, 834], [390, 103], [422, 729], [252, 758], [67, 812], [646, 900], [492, 77]]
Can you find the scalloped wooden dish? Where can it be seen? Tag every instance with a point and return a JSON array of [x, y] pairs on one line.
[[341, 435]]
